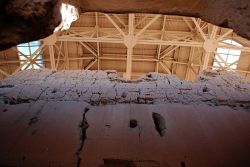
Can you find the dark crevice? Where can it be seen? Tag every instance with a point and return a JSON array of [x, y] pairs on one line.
[[6, 86], [53, 91], [139, 133], [160, 124], [112, 162], [149, 75], [133, 123], [109, 162], [235, 104], [205, 89], [33, 120], [108, 126], [42, 93], [124, 95], [183, 164], [14, 101], [83, 126]]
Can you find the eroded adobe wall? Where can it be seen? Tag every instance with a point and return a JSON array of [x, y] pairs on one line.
[[67, 119], [105, 87]]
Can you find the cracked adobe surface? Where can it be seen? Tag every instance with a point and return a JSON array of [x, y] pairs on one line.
[[68, 118], [105, 87]]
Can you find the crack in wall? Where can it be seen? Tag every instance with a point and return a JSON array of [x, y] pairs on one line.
[[35, 118], [133, 123], [83, 126], [6, 86], [15, 101], [112, 162]]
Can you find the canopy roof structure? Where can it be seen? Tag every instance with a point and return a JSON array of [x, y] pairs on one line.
[[135, 44]]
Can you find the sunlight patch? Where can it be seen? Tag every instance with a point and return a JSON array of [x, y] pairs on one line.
[[69, 14]]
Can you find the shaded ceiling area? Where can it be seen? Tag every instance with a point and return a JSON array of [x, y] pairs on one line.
[[135, 44], [19, 18]]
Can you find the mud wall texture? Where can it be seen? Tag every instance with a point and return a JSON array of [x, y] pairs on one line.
[[105, 87], [67, 119], [73, 134], [23, 20]]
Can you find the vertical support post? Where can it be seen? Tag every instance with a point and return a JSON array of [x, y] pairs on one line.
[[66, 55], [98, 43], [210, 46], [52, 57], [129, 63], [159, 47], [190, 59], [50, 42], [206, 60], [129, 41]]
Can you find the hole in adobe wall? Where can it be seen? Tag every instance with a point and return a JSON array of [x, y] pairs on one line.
[[183, 164], [160, 124], [133, 123], [205, 89], [53, 91], [124, 95]]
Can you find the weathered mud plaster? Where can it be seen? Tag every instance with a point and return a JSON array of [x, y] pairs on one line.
[[64, 135], [105, 87], [53, 139], [64, 119], [195, 135]]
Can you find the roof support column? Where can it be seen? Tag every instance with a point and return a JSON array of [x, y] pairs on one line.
[[189, 66], [66, 55], [159, 47], [98, 43], [210, 46], [52, 57], [50, 42], [130, 42]]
